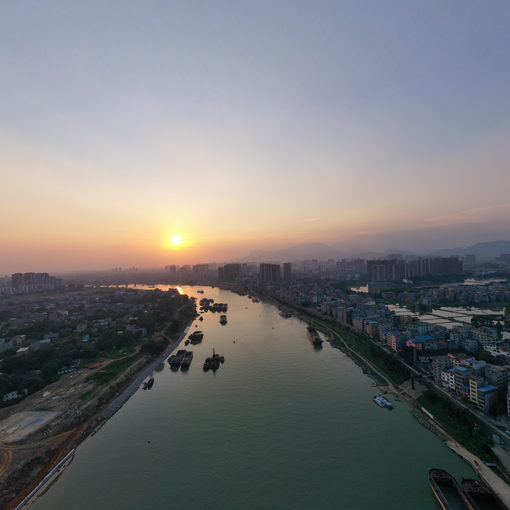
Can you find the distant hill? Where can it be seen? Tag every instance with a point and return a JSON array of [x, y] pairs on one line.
[[483, 250], [298, 252]]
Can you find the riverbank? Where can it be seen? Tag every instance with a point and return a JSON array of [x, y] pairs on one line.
[[487, 474], [48, 475]]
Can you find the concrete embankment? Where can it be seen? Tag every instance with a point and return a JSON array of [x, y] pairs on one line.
[[121, 399]]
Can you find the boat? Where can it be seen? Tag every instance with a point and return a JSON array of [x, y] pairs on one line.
[[200, 291], [213, 363], [176, 360], [223, 319], [448, 491], [148, 385], [196, 337], [186, 360], [200, 318], [382, 402], [314, 336], [481, 496]]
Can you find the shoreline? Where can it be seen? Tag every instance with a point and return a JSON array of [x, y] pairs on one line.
[[49, 475], [500, 487]]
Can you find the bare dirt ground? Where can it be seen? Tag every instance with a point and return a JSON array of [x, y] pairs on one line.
[[20, 425]]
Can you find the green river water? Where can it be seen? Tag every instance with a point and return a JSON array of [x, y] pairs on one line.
[[279, 426]]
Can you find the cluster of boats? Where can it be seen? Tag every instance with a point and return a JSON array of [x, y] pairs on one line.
[[314, 336], [213, 363], [181, 360], [208, 305], [469, 495], [382, 402]]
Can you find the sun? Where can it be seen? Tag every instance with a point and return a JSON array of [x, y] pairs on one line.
[[176, 240]]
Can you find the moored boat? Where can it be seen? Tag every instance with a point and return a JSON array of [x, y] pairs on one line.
[[314, 336], [448, 491], [382, 402], [176, 360], [223, 319], [148, 385], [186, 360], [481, 496], [196, 337]]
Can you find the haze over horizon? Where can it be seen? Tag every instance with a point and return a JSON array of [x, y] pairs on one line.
[[157, 133]]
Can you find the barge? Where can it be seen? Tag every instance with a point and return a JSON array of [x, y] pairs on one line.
[[186, 360], [176, 360], [481, 496], [314, 336], [196, 337], [448, 491]]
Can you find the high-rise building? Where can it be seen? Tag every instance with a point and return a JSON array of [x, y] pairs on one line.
[[270, 272], [287, 271], [229, 272]]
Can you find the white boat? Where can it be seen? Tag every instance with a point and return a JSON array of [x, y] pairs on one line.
[[382, 402]]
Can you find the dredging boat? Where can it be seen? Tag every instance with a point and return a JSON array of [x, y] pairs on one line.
[[382, 402], [314, 336], [448, 491], [213, 363], [481, 496]]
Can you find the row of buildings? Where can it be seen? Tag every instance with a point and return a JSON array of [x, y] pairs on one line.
[[478, 382], [22, 283], [398, 269]]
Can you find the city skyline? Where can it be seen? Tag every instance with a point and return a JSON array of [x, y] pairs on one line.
[[243, 127]]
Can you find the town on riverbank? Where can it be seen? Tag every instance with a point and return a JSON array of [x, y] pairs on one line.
[[72, 355], [70, 358]]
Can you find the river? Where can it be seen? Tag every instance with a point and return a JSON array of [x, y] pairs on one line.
[[279, 426]]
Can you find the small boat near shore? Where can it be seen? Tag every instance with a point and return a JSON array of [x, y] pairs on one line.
[[196, 337], [223, 319], [148, 385], [382, 402], [481, 496], [448, 492]]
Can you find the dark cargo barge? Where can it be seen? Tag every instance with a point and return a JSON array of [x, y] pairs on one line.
[[314, 336], [448, 491], [481, 496]]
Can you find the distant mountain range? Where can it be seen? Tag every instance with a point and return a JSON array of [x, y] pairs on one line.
[[483, 250], [322, 251], [298, 252]]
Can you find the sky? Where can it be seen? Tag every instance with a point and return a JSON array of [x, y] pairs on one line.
[[238, 126]]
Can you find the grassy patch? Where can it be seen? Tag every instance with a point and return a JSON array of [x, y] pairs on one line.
[[112, 370], [384, 362], [362, 347], [85, 396], [459, 424]]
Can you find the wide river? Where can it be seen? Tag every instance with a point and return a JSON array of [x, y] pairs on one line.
[[279, 426]]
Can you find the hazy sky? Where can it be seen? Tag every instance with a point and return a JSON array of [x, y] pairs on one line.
[[243, 125]]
